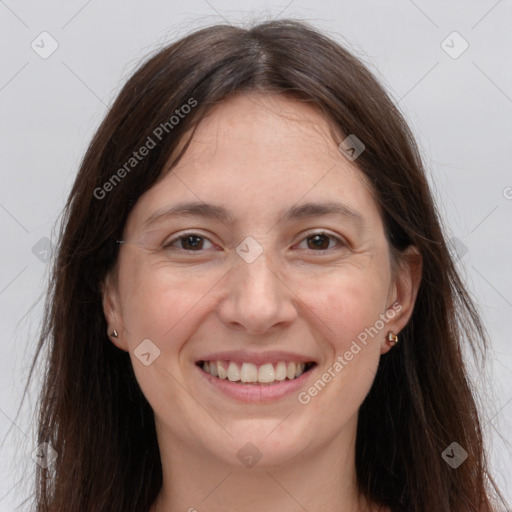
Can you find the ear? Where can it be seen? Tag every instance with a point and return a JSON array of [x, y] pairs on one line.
[[112, 311], [404, 291]]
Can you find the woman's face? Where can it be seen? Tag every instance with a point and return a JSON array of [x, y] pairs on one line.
[[293, 273]]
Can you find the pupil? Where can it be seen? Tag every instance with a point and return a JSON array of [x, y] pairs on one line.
[[320, 241], [194, 245]]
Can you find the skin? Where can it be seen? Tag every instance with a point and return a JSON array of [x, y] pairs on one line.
[[258, 155]]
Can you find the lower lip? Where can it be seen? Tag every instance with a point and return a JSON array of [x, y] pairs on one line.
[[256, 392]]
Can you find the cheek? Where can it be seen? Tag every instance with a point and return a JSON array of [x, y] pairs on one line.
[[165, 307], [346, 304], [159, 303]]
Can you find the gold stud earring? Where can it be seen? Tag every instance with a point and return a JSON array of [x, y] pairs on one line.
[[392, 339]]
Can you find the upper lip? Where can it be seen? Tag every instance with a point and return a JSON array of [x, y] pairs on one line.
[[245, 356]]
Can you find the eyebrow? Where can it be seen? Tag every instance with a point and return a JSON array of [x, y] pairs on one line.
[[211, 211]]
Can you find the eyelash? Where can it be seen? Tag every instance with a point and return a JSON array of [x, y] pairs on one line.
[[168, 245]]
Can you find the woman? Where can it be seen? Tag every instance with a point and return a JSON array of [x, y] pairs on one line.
[[253, 305]]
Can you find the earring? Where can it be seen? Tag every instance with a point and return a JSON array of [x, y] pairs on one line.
[[114, 334], [392, 339]]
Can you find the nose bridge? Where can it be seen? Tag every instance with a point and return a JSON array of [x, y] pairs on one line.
[[255, 276], [257, 297]]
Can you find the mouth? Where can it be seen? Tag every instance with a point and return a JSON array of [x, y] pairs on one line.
[[248, 373]]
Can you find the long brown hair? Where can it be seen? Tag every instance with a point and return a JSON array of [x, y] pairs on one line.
[[92, 411]]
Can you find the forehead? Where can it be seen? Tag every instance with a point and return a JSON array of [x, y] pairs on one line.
[[272, 126], [259, 155]]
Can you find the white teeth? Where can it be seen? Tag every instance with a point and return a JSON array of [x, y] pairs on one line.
[[251, 373], [233, 372], [221, 370], [266, 373], [280, 370]]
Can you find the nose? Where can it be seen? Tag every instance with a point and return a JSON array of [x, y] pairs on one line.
[[256, 297]]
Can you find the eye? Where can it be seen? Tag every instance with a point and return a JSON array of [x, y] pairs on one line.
[[320, 241], [194, 242], [190, 242]]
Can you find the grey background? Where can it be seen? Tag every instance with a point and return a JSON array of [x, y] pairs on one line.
[[460, 110]]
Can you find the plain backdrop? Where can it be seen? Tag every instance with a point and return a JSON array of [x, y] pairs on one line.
[[455, 90]]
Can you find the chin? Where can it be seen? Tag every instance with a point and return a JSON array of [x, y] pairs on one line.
[[262, 443]]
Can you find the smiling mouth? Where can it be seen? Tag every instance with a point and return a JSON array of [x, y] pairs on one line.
[[250, 373]]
